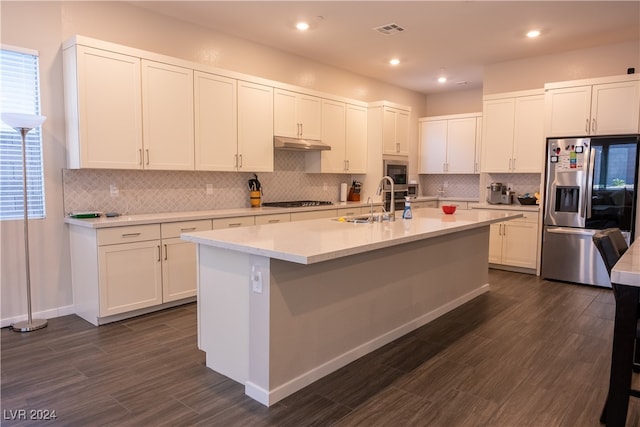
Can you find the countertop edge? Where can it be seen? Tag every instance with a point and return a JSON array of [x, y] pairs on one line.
[[197, 237]]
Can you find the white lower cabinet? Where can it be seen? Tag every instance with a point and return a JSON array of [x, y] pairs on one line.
[[514, 243], [120, 270], [424, 204], [179, 263]]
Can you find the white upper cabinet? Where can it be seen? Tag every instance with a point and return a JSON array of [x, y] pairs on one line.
[[104, 121], [448, 144], [395, 128], [334, 134], [297, 115], [513, 133], [255, 127], [167, 116], [356, 143], [216, 122], [600, 108], [344, 128]]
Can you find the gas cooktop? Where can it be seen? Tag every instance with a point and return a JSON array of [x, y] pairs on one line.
[[297, 204]]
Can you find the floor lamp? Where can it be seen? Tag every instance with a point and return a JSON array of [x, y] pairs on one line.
[[23, 123]]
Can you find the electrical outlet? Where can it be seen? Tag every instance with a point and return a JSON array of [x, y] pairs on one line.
[[256, 279], [209, 189], [445, 184], [113, 190]]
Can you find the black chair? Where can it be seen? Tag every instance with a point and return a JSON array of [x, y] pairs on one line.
[[611, 245]]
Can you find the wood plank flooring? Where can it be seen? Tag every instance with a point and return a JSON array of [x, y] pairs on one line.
[[528, 353]]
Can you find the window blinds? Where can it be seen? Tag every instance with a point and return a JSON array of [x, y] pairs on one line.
[[20, 93]]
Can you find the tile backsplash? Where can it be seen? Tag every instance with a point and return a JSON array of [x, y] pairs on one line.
[[469, 186], [173, 191]]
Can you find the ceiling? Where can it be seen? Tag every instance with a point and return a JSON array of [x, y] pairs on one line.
[[456, 38]]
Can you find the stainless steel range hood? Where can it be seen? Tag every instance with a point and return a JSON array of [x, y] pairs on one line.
[[296, 144]]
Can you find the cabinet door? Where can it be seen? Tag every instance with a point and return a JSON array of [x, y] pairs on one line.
[[495, 243], [402, 132], [528, 144], [309, 113], [167, 105], [615, 108], [497, 138], [108, 115], [356, 144], [334, 133], [216, 122], [285, 122], [519, 244], [391, 133], [433, 146], [255, 127], [130, 276], [567, 111], [179, 269], [461, 145]]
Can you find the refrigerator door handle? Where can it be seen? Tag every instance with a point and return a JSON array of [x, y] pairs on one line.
[[590, 172], [572, 231]]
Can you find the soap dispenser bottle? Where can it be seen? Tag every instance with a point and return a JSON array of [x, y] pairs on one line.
[[406, 214]]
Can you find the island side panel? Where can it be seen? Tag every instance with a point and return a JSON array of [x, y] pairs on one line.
[[323, 316], [223, 310]]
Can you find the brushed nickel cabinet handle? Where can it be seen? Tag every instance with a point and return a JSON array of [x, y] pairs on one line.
[[586, 126], [166, 252], [140, 156], [240, 165], [159, 255], [235, 224], [185, 230], [147, 150], [593, 126], [273, 221], [130, 234]]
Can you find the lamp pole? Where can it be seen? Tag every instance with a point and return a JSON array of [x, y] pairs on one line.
[[23, 123]]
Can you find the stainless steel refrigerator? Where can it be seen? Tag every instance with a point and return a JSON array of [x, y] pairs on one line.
[[590, 185]]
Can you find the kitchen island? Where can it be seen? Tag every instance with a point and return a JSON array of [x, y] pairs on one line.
[[282, 305]]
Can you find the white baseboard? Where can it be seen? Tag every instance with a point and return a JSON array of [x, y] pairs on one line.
[[269, 397], [46, 314]]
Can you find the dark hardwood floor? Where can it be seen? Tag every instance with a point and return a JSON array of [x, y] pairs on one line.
[[528, 353]]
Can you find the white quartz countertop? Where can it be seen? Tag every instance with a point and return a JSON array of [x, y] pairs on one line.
[[627, 269], [511, 207], [308, 242], [155, 218]]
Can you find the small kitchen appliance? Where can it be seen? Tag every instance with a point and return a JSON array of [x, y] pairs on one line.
[[494, 195]]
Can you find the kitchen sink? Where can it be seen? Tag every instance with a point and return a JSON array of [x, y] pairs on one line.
[[361, 219]]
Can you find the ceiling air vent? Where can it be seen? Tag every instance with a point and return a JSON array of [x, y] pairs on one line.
[[389, 29]]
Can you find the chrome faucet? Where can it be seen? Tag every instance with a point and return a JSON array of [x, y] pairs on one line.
[[370, 202], [392, 206]]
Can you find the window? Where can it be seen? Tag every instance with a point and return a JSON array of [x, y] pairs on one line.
[[20, 93]]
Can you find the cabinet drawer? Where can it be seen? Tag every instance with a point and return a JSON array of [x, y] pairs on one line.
[[137, 233], [272, 219], [350, 211], [173, 229], [301, 216], [241, 221], [527, 217]]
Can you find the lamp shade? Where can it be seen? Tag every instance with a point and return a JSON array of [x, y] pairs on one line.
[[22, 121]]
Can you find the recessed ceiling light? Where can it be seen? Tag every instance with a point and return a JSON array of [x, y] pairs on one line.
[[533, 34], [394, 61], [302, 26], [442, 79]]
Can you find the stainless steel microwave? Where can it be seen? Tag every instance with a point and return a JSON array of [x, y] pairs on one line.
[[398, 170]]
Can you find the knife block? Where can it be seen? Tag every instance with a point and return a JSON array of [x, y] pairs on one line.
[[353, 195]]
